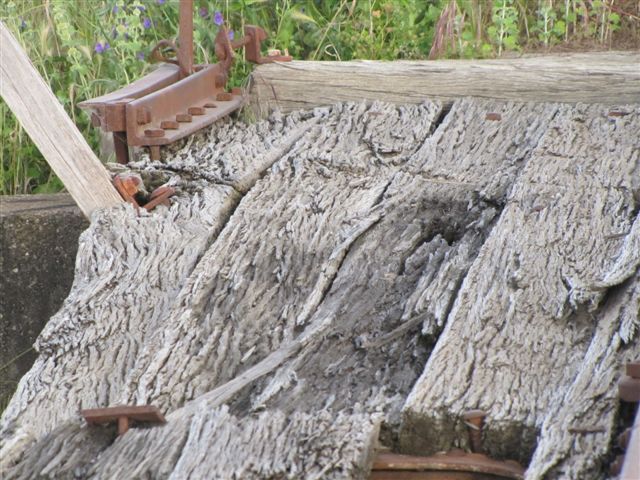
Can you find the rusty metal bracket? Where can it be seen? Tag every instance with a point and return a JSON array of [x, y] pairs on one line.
[[123, 416], [131, 189], [454, 465], [179, 98]]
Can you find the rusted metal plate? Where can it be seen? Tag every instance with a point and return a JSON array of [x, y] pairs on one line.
[[140, 413], [429, 475], [160, 108], [452, 466], [109, 110], [190, 95]]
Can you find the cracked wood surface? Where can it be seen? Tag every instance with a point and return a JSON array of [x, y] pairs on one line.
[[330, 277], [595, 77], [538, 320]]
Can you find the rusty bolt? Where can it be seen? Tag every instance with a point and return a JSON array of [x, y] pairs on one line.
[[494, 117], [474, 420], [224, 97], [143, 116], [169, 125], [236, 91], [220, 81], [183, 118], [629, 389], [617, 113], [154, 152], [196, 111], [210, 105], [154, 132]]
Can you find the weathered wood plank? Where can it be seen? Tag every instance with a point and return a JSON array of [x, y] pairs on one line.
[[549, 311], [597, 77], [308, 268], [48, 125]]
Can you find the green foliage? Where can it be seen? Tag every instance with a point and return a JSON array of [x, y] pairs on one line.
[[504, 32], [86, 48]]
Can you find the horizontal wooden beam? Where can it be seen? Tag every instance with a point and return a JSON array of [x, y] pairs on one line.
[[56, 136], [597, 77]]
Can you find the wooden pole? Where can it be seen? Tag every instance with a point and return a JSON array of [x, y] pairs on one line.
[[58, 139]]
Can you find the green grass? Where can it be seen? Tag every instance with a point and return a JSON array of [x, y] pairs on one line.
[[66, 41]]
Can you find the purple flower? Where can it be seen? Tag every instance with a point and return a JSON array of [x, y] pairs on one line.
[[141, 8], [161, 2], [218, 19], [140, 56], [23, 24], [147, 23], [106, 46], [115, 9], [99, 48], [203, 12], [231, 34]]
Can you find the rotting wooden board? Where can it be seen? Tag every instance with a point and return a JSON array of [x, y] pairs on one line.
[[596, 77], [543, 284], [285, 304]]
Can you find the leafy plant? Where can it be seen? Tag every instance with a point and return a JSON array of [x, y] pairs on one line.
[[505, 31]]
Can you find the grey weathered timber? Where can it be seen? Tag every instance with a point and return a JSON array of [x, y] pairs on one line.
[[51, 130], [549, 311], [293, 306], [594, 77]]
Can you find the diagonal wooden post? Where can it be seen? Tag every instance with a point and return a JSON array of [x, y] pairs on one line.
[[54, 133]]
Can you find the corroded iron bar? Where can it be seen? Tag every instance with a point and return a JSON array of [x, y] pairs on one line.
[[185, 49]]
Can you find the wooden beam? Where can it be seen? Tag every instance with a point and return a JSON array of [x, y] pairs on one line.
[[597, 77], [58, 139]]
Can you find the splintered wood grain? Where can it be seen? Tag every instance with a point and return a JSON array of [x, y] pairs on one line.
[[284, 308], [129, 271], [533, 339], [212, 443], [401, 277], [593, 77]]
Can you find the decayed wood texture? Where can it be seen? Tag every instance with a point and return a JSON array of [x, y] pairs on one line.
[[48, 125], [549, 311], [596, 77], [290, 298]]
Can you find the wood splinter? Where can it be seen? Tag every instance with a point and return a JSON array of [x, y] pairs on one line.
[[123, 416]]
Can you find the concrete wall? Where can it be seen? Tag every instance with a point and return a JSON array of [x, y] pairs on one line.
[[39, 241]]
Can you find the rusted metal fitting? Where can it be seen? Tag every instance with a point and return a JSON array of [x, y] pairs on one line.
[[629, 385], [453, 465], [132, 190], [124, 416], [494, 117], [138, 113], [160, 196], [474, 420]]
